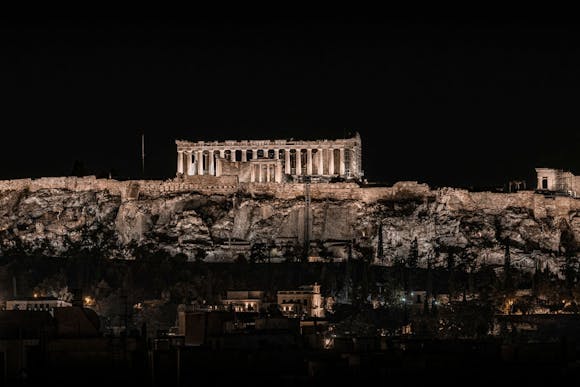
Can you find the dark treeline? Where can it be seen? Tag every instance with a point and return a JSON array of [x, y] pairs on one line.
[[150, 276], [185, 282]]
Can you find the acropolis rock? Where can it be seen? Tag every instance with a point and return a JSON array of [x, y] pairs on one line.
[[218, 219]]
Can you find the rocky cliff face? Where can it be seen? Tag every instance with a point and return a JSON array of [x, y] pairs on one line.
[[473, 227]]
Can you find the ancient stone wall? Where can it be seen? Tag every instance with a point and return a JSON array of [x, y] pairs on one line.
[[86, 183], [129, 189], [492, 202], [199, 183], [233, 169], [452, 198]]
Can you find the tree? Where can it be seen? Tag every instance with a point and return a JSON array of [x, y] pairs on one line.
[[200, 255], [413, 254], [468, 263], [241, 259], [259, 253], [452, 274], [570, 272], [471, 319], [429, 287], [507, 270], [380, 248], [273, 310]]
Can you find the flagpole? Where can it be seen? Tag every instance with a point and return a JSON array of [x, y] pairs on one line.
[[143, 155]]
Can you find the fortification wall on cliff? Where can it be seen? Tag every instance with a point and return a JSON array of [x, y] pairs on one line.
[[130, 189], [453, 198], [492, 202], [336, 191], [70, 183], [208, 185]]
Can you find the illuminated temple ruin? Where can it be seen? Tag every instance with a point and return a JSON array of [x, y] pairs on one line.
[[272, 160], [558, 180]]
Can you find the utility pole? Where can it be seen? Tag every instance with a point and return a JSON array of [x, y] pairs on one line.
[[306, 216]]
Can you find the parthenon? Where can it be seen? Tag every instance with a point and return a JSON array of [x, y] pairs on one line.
[[262, 161]]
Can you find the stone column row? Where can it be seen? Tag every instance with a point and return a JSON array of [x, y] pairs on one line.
[[310, 161], [186, 164], [266, 172]]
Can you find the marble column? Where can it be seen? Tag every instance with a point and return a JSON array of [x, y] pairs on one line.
[[260, 173], [278, 175], [309, 161], [199, 157], [320, 161], [222, 153], [267, 173], [331, 161], [298, 162], [252, 173], [254, 154], [341, 162], [244, 155], [211, 160], [233, 155], [189, 163], [276, 154], [218, 167], [287, 161], [179, 161]]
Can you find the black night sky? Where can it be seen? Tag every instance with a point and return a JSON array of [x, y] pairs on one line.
[[474, 103]]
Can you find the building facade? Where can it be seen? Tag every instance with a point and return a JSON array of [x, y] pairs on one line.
[[558, 180], [244, 300], [271, 160], [306, 301], [40, 304]]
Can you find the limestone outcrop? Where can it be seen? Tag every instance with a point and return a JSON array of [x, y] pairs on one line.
[[271, 223]]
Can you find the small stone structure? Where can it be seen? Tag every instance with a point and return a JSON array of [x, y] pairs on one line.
[[558, 180], [516, 185], [258, 161]]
